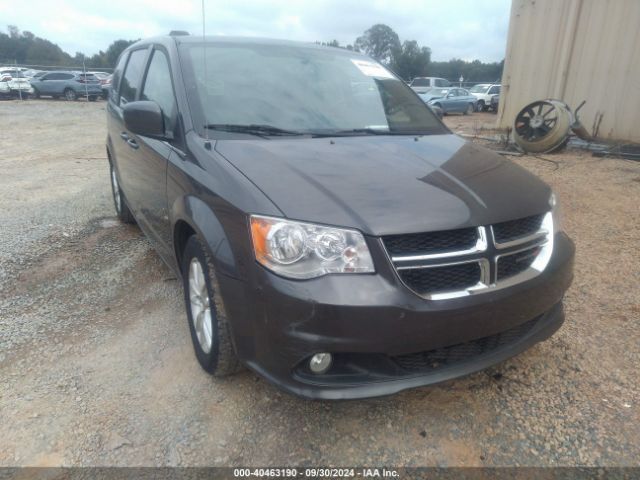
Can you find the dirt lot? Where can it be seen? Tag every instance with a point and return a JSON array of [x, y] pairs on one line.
[[96, 363]]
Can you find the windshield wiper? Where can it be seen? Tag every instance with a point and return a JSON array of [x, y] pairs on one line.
[[252, 129], [360, 131]]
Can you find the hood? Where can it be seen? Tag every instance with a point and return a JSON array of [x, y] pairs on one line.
[[428, 98], [388, 184]]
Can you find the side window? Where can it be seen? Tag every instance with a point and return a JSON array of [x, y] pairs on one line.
[[66, 76], [158, 88], [115, 80], [53, 76], [132, 75]]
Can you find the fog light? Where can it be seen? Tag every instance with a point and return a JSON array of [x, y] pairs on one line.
[[320, 362]]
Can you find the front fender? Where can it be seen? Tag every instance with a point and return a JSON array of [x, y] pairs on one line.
[[204, 222]]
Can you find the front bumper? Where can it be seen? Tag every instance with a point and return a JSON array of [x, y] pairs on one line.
[[369, 321]]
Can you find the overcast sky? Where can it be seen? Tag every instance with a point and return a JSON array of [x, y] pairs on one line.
[[466, 29]]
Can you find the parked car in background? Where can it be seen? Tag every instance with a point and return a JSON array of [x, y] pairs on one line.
[[106, 86], [13, 83], [483, 93], [450, 100], [423, 84], [495, 101], [338, 243], [102, 76], [68, 84]]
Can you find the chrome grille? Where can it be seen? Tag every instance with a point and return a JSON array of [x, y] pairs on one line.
[[515, 229], [441, 279], [515, 263], [449, 264], [430, 242]]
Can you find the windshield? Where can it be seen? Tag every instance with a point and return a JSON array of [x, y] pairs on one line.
[[479, 88], [299, 89], [420, 82]]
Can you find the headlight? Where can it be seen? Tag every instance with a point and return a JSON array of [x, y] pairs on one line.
[[304, 250], [556, 212]]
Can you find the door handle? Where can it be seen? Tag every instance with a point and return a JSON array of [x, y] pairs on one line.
[[124, 136], [132, 143]]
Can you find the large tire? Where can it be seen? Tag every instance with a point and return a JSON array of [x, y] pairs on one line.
[[93, 98], [214, 350], [469, 109], [119, 202], [36, 93], [480, 107], [70, 94]]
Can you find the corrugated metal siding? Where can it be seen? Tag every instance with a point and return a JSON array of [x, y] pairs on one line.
[[576, 50]]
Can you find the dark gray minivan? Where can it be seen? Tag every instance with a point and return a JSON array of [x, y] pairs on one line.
[[330, 232]]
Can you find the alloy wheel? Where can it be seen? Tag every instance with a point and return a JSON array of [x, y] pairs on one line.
[[200, 305]]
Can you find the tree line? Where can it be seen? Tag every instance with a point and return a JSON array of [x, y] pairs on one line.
[[24, 48], [407, 59]]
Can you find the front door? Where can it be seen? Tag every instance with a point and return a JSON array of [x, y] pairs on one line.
[[153, 154]]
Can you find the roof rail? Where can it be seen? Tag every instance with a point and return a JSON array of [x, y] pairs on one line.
[[178, 33]]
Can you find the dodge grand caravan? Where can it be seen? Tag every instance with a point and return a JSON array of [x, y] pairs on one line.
[[330, 232]]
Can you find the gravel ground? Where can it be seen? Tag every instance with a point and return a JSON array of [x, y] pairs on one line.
[[96, 363]]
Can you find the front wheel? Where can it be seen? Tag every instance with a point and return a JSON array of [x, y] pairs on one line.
[[36, 93], [210, 330], [480, 106], [122, 209], [92, 98], [469, 109], [70, 94]]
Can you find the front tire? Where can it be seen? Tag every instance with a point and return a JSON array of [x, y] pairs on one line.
[[92, 98], [210, 330], [70, 95], [480, 106], [469, 109], [36, 93], [120, 204]]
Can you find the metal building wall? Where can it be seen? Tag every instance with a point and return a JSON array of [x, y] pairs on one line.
[[576, 50]]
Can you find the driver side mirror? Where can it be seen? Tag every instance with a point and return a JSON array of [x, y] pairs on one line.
[[144, 118]]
